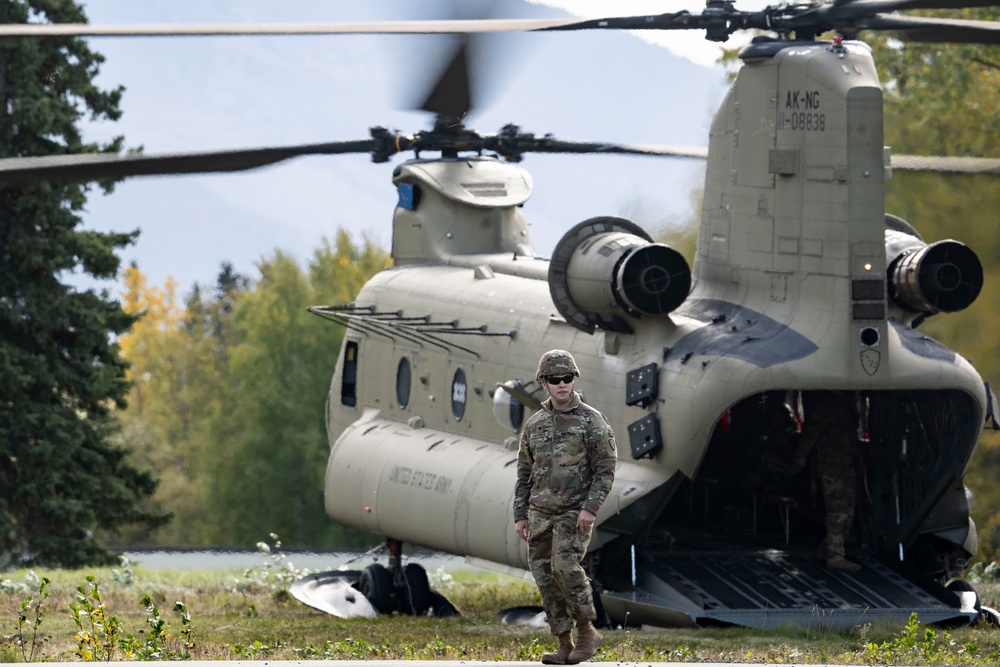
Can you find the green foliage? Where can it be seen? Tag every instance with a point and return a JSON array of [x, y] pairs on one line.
[[255, 650], [344, 649], [941, 99], [61, 374], [916, 645], [32, 615], [283, 629], [682, 654], [178, 359], [276, 428], [237, 381], [157, 644], [102, 635], [100, 632], [436, 648], [280, 364]]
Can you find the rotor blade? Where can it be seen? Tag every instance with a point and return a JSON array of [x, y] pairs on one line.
[[559, 146], [451, 96], [679, 20], [192, 30], [870, 7], [921, 29], [99, 166], [934, 163], [954, 165]]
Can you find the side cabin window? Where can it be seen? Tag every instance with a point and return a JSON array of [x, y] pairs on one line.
[[459, 389], [349, 379], [403, 375]]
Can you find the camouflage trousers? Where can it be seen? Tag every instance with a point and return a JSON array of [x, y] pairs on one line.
[[555, 551], [838, 481]]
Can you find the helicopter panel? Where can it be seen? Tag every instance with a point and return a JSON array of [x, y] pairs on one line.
[[753, 135]]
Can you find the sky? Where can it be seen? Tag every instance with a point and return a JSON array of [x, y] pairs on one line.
[[209, 93]]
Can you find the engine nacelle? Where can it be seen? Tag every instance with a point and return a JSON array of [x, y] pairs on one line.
[[941, 277], [608, 267]]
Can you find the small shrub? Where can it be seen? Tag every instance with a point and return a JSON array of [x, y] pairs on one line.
[[277, 573], [32, 615], [99, 630], [101, 635], [913, 646], [126, 577]]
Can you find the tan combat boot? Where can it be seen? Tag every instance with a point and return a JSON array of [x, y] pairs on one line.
[[587, 639], [836, 560], [841, 564], [561, 656]]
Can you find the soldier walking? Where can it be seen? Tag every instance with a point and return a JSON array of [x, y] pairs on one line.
[[565, 469]]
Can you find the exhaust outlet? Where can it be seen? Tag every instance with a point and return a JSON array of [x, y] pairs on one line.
[[606, 269], [941, 277]]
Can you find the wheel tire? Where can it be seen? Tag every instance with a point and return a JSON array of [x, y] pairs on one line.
[[418, 588], [376, 584], [963, 586]]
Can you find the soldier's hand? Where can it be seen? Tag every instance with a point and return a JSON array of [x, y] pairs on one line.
[[584, 521], [521, 528]]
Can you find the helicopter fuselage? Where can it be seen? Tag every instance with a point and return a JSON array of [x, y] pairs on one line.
[[799, 285]]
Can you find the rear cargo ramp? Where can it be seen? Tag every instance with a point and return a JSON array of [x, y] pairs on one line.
[[768, 588]]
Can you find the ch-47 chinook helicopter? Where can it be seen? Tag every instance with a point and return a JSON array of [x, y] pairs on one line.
[[801, 283]]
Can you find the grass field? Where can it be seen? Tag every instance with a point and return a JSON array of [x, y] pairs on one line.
[[128, 613]]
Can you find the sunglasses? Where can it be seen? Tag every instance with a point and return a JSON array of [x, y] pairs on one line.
[[561, 379]]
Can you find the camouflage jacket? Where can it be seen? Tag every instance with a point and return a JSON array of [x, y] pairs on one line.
[[566, 460]]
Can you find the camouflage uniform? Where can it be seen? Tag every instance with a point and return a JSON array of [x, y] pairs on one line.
[[565, 463], [829, 429]]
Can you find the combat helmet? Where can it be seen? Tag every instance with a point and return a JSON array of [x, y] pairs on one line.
[[556, 362]]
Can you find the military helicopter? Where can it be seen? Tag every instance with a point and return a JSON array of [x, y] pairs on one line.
[[802, 284]]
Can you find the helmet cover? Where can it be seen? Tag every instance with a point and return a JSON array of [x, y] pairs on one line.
[[556, 362]]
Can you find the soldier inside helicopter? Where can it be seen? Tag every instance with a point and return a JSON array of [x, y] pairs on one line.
[[829, 436], [794, 450], [762, 478], [817, 434]]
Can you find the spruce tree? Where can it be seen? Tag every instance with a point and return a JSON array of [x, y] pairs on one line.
[[64, 488]]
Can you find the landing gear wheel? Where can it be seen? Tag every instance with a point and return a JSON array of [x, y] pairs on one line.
[[418, 588], [376, 584], [964, 588]]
